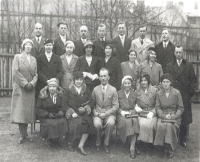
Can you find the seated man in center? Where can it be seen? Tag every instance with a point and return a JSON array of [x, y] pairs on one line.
[[105, 101]]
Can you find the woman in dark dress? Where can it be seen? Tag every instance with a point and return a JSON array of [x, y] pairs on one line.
[[76, 103], [89, 65], [127, 127], [49, 112], [169, 107]]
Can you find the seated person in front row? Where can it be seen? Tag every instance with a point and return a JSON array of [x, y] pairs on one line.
[[128, 127], [105, 102], [76, 103], [169, 107], [146, 101], [52, 120]]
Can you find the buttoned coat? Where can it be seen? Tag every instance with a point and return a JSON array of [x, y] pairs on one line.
[[185, 81], [165, 56], [122, 51], [67, 70], [23, 101], [37, 49], [141, 49], [59, 47], [109, 104], [155, 71], [79, 48]]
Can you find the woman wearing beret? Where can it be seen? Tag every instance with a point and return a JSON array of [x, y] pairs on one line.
[[53, 124], [128, 128], [24, 71], [131, 67], [146, 100], [169, 107], [76, 103], [68, 62], [151, 67], [89, 65]]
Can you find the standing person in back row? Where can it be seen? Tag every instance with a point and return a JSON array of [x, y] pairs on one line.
[[122, 43], [165, 50], [141, 44], [59, 42]]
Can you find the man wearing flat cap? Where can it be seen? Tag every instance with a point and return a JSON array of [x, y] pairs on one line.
[[49, 66], [60, 41]]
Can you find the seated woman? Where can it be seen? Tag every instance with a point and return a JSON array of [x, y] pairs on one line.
[[169, 107], [146, 100], [52, 121], [131, 67], [127, 127], [76, 103]]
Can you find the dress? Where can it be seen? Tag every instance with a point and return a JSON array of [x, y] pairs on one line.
[[126, 126], [167, 132], [23, 101], [147, 102], [72, 101], [51, 128]]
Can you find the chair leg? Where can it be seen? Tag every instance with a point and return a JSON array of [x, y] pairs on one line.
[[31, 128]]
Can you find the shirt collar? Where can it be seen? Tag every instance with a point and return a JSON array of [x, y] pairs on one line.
[[179, 61], [104, 38], [38, 37], [166, 43], [122, 36], [49, 54], [104, 87], [61, 36]]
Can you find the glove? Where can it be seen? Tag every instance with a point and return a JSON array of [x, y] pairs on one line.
[[102, 115], [60, 114], [29, 87], [81, 110], [88, 109], [84, 74], [69, 113], [150, 115], [168, 116], [123, 113], [51, 116], [138, 109], [74, 115]]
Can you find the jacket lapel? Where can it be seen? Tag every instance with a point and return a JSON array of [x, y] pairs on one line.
[[107, 95], [178, 69], [41, 45], [27, 64]]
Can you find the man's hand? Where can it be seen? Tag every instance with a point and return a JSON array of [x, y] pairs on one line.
[[102, 115], [74, 115]]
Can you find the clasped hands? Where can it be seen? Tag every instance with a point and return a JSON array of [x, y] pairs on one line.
[[138, 109], [91, 76], [28, 87], [60, 114]]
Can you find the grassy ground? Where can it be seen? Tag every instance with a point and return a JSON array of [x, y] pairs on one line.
[[37, 151]]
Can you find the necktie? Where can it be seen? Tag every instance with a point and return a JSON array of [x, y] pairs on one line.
[[142, 41], [179, 63], [103, 92], [38, 40], [165, 45], [53, 99], [122, 40]]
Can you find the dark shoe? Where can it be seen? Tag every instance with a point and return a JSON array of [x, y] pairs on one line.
[[97, 148], [27, 138], [184, 144], [137, 151], [71, 148], [82, 151], [107, 149], [132, 155], [20, 140], [165, 152], [171, 153]]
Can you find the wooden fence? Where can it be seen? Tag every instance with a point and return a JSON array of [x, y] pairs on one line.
[[7, 59]]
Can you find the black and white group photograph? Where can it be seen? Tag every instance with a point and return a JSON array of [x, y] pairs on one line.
[[99, 80]]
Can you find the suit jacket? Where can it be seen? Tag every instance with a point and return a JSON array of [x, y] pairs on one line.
[[58, 47], [67, 70], [185, 81], [23, 101], [99, 47], [47, 70], [155, 71], [115, 71], [79, 48], [110, 103], [37, 49], [141, 49], [165, 56], [122, 51]]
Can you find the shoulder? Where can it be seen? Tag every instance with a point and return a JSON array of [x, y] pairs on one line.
[[148, 41], [135, 40], [97, 88], [112, 89], [175, 91]]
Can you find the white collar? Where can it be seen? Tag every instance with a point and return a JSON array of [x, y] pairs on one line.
[[106, 86], [179, 61], [127, 94], [48, 54], [166, 43], [122, 36], [104, 39], [40, 37], [63, 36]]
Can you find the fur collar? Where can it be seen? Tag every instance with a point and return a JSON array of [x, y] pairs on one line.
[[44, 93], [72, 89]]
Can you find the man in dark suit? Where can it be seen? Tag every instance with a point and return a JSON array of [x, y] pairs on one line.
[[122, 43], [38, 41], [165, 50], [59, 42], [185, 81], [49, 66], [79, 44], [101, 42]]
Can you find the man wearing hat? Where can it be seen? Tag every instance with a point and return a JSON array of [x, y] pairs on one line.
[[49, 66], [38, 41], [60, 41]]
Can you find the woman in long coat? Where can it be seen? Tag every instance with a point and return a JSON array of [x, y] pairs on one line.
[[131, 67], [89, 65], [76, 103], [113, 65], [53, 124], [68, 62], [169, 107], [151, 67], [24, 71], [127, 127], [146, 101]]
